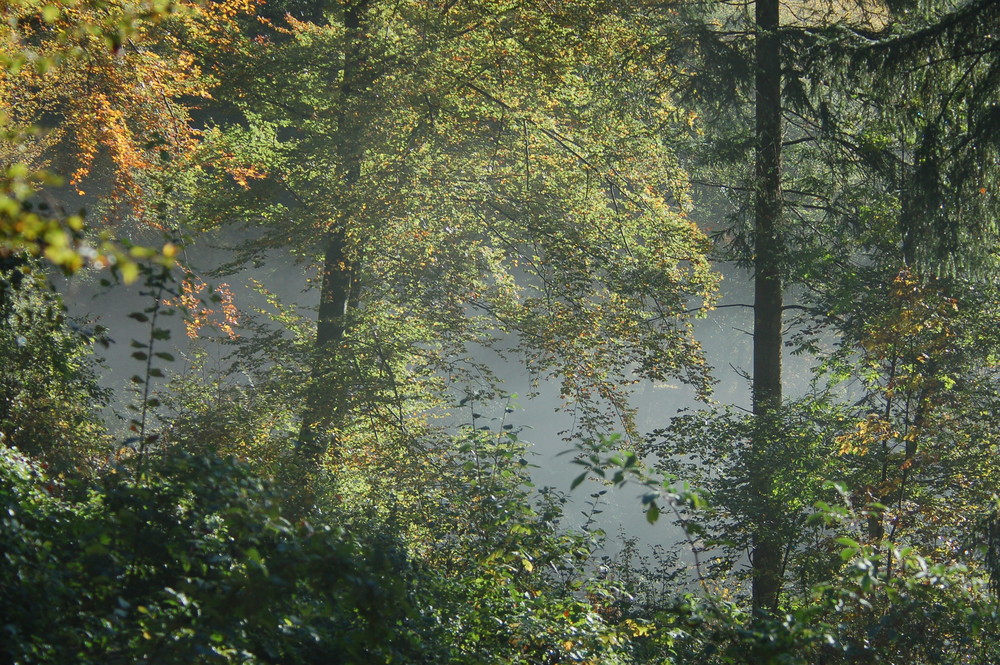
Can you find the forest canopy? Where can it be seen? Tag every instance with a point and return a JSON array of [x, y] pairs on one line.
[[575, 190]]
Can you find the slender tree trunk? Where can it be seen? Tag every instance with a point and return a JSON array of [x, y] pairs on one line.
[[768, 549], [338, 286]]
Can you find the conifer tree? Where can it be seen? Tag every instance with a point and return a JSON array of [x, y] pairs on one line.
[[882, 164]]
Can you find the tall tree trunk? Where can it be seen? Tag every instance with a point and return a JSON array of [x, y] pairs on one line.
[[767, 553], [339, 276]]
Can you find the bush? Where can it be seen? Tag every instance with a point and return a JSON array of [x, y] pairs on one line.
[[191, 563]]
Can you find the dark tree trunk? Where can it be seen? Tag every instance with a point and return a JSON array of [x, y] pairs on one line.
[[339, 277], [767, 553]]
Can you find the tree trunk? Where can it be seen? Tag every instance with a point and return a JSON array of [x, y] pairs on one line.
[[767, 547], [339, 277]]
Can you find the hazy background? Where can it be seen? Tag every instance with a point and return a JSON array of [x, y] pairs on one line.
[[724, 334]]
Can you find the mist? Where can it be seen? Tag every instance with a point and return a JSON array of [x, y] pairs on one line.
[[539, 416]]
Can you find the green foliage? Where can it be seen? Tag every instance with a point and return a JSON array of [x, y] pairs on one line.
[[205, 412], [711, 449], [514, 586], [49, 395], [189, 563], [471, 171], [856, 607], [909, 442], [192, 561]]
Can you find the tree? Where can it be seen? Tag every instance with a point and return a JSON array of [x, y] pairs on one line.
[[478, 170], [459, 177], [919, 135], [846, 191], [101, 93]]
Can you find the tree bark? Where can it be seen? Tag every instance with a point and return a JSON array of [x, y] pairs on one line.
[[767, 546]]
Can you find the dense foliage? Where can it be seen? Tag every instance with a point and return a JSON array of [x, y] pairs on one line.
[[342, 479]]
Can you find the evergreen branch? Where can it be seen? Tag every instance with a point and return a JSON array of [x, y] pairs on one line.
[[976, 12]]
